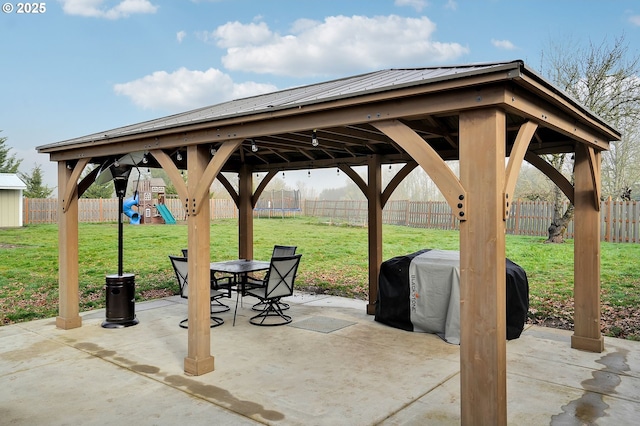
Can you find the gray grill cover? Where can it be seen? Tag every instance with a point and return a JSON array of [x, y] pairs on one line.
[[421, 292]]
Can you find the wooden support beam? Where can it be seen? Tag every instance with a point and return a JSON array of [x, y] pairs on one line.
[[397, 180], [230, 189], [199, 359], [594, 168], [355, 177], [483, 376], [87, 181], [245, 214], [201, 194], [430, 161], [261, 186], [374, 198], [174, 175], [525, 134], [525, 104], [553, 174], [69, 299], [71, 189], [586, 287]]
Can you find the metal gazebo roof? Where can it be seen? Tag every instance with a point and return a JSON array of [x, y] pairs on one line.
[[338, 143]]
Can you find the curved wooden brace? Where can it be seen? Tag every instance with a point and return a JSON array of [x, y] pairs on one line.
[[174, 174], [430, 161], [520, 145], [355, 177], [213, 168], [263, 184], [72, 184], [397, 180], [594, 165], [230, 189], [553, 174], [87, 181]]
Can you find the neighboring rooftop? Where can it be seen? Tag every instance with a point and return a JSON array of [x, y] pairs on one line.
[[11, 181]]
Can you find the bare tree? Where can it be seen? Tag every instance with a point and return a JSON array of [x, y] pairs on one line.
[[605, 79]]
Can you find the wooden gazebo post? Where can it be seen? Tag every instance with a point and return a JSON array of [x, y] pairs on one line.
[[483, 375], [69, 298], [586, 287], [199, 359], [245, 213], [374, 199]]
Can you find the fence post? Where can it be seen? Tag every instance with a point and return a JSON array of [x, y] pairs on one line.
[[516, 219], [607, 218]]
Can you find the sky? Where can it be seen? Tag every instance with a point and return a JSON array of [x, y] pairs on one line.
[[84, 66]]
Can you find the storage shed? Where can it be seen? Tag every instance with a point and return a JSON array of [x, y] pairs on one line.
[[11, 187]]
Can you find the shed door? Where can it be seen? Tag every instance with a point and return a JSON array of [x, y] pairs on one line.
[[10, 208]]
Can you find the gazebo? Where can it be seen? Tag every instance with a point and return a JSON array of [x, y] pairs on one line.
[[478, 114]]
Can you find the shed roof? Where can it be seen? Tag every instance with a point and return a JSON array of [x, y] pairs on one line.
[[11, 181]]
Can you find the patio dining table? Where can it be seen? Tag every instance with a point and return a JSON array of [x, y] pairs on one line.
[[239, 269]]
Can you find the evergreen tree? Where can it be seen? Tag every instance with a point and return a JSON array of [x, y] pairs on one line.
[[35, 187], [8, 163], [96, 190]]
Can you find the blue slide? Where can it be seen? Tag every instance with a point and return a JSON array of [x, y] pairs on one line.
[[166, 214], [134, 216]]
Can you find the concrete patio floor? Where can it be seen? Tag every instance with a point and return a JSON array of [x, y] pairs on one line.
[[334, 365]]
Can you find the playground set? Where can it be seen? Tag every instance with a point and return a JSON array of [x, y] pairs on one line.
[[149, 199]]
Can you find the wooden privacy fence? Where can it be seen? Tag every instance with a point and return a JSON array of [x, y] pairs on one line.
[[45, 210], [620, 220]]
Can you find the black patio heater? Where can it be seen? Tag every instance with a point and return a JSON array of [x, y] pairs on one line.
[[120, 288]]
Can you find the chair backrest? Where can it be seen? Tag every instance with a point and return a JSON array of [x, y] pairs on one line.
[[281, 275], [279, 251], [181, 268]]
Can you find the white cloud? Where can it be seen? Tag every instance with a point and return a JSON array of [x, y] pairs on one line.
[[186, 89], [635, 20], [180, 35], [337, 45], [96, 9], [503, 44], [451, 5], [234, 33], [418, 5]]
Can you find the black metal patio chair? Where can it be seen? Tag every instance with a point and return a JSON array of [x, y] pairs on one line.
[[180, 266], [277, 283], [278, 251]]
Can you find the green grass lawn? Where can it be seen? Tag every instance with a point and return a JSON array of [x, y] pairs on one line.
[[334, 261]]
